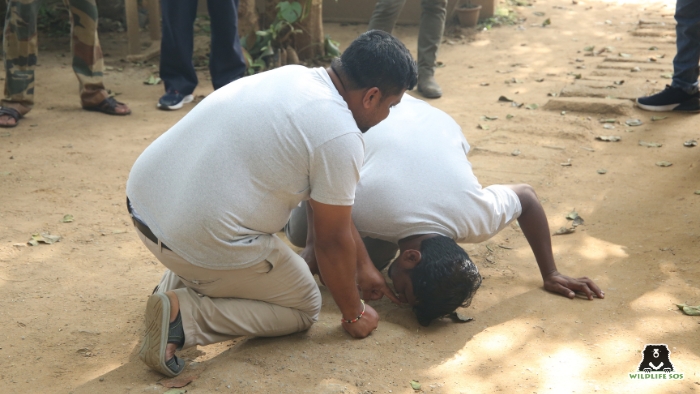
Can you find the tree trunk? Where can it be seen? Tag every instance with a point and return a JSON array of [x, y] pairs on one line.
[[247, 21], [309, 44]]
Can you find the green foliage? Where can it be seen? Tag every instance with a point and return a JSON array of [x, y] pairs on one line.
[[502, 16], [53, 19], [276, 36]]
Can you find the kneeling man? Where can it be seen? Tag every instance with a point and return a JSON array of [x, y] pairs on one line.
[[417, 194]]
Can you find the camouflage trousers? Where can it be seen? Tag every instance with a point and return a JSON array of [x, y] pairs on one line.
[[20, 51]]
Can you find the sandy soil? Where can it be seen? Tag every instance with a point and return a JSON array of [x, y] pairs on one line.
[[71, 312]]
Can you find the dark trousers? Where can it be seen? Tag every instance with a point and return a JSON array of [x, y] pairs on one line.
[[226, 62]]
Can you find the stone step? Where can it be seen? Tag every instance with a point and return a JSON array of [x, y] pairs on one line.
[[629, 66], [628, 91], [653, 33], [619, 59], [595, 106]]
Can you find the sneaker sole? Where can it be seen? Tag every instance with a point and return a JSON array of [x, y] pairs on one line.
[[155, 340], [658, 108], [187, 99]]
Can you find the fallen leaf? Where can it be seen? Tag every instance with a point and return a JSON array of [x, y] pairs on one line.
[[653, 48], [509, 116], [655, 118], [546, 22], [602, 171], [516, 104], [689, 310], [67, 218], [572, 215], [634, 122], [610, 120], [538, 13], [515, 152], [486, 117], [44, 238], [608, 126], [532, 106], [177, 382], [667, 76], [635, 69], [415, 385], [577, 76], [690, 143], [577, 222], [620, 82], [589, 48], [484, 84], [564, 230], [625, 55], [539, 80], [650, 144], [505, 99], [552, 94], [608, 138], [664, 163], [152, 80], [697, 192], [482, 126], [175, 391]]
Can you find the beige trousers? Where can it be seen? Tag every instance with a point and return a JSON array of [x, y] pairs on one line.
[[274, 297]]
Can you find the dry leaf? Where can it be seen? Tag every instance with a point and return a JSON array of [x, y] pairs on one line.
[[564, 230]]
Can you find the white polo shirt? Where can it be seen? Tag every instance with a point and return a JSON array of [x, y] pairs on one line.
[[417, 180], [218, 184]]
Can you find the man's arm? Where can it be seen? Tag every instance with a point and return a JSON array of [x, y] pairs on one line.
[[335, 252], [533, 222], [369, 279]]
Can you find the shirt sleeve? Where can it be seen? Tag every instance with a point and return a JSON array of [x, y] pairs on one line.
[[495, 208], [335, 169]]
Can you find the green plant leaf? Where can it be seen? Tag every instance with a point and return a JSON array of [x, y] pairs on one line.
[[415, 385], [289, 12], [67, 218]]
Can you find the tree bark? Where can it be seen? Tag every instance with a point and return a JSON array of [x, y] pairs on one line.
[[309, 43]]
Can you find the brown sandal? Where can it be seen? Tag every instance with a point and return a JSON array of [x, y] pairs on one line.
[[108, 106]]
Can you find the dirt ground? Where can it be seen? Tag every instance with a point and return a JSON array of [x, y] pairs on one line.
[[71, 312]]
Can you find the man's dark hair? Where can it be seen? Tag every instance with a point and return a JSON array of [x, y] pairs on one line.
[[444, 280], [377, 59]]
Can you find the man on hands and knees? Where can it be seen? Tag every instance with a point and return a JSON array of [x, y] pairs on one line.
[[208, 196], [418, 195]]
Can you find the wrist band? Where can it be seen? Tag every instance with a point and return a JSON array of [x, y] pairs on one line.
[[358, 317]]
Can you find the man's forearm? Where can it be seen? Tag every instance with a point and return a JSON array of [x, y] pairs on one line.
[[337, 265], [533, 223]]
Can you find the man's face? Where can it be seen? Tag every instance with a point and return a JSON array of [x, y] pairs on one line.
[[374, 108], [400, 274]]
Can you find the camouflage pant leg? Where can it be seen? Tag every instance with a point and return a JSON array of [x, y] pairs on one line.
[[88, 62], [19, 46]]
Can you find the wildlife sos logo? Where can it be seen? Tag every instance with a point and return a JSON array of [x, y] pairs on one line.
[[656, 364]]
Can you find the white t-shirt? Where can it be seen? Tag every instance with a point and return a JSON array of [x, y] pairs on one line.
[[417, 180], [216, 185]]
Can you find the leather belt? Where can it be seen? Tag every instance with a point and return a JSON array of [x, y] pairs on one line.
[[143, 228]]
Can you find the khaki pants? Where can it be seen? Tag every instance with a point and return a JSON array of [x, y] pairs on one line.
[[274, 297]]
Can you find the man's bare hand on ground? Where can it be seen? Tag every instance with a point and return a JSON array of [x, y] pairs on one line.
[[363, 327], [568, 286], [372, 284]]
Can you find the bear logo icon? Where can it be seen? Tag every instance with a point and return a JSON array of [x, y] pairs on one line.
[[655, 358]]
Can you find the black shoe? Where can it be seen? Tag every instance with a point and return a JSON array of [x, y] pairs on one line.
[[671, 99], [174, 100]]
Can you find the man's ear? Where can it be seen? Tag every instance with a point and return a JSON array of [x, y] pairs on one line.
[[411, 257], [371, 98]]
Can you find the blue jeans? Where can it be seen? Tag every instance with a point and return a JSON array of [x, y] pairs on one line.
[[685, 64], [226, 62]]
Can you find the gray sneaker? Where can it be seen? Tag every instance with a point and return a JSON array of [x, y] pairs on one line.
[[428, 87]]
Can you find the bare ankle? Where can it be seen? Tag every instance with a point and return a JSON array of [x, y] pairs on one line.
[[174, 305]]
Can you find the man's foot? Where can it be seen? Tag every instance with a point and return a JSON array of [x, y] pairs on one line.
[[164, 334], [671, 99], [428, 87], [173, 100], [9, 117], [110, 106]]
